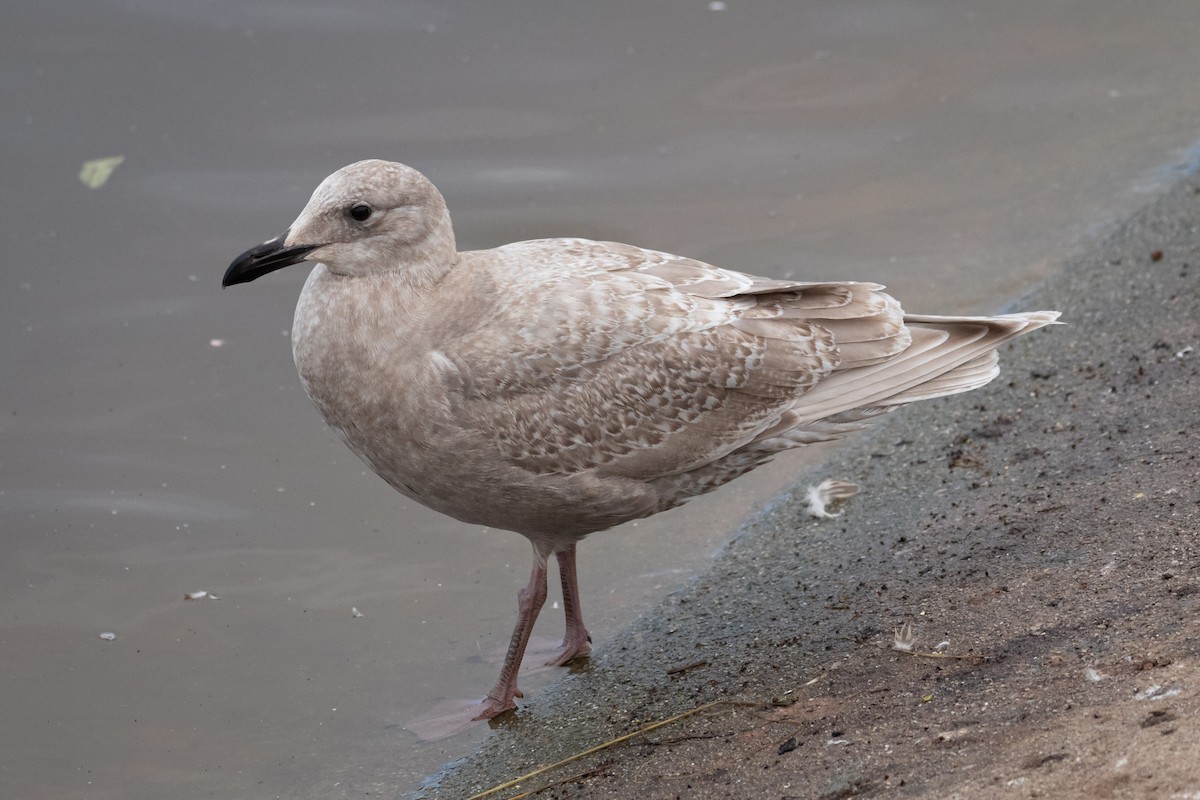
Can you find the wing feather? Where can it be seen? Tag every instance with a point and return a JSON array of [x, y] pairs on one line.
[[639, 364]]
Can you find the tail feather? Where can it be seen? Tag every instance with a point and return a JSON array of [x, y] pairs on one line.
[[948, 355], [973, 374]]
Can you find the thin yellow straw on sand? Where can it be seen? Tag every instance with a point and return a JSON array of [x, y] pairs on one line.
[[639, 732]]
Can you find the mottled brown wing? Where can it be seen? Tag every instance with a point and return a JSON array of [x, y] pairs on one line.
[[642, 364]]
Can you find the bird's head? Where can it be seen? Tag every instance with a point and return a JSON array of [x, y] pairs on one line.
[[366, 218]]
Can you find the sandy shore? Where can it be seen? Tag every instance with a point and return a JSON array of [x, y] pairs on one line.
[[1042, 536]]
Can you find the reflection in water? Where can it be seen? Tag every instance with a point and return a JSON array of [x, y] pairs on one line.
[[949, 150]]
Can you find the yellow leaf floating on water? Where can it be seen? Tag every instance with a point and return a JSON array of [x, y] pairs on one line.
[[95, 173]]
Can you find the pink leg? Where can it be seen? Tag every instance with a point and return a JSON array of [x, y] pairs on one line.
[[576, 641], [529, 603]]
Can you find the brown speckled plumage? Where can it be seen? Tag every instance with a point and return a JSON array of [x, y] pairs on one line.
[[558, 387]]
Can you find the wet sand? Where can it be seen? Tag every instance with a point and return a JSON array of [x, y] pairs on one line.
[[1042, 538]]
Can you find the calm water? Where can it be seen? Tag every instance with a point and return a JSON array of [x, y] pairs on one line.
[[156, 440]]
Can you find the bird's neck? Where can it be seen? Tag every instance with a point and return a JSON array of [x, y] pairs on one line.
[[425, 262]]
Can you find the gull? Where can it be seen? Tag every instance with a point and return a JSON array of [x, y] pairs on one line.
[[559, 387]]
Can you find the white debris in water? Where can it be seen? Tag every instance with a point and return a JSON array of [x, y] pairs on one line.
[[717, 5], [201, 594], [826, 493], [216, 342], [108, 636], [354, 612]]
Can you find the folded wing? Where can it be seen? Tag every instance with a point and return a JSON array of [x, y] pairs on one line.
[[649, 366]]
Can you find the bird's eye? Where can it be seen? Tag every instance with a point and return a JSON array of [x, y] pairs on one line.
[[360, 212]]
